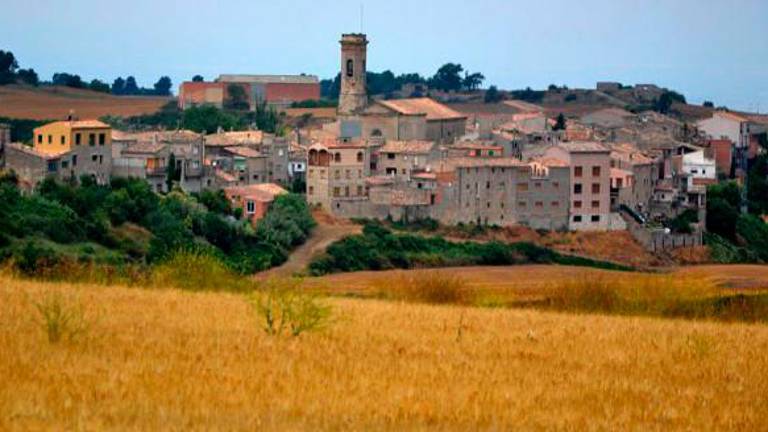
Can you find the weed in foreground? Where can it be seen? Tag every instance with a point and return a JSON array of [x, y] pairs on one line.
[[282, 307], [61, 319]]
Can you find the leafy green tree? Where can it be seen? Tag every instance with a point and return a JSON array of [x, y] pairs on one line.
[[560, 123], [207, 119], [163, 86], [8, 66], [118, 86], [99, 86], [448, 77], [237, 98], [131, 88], [492, 95], [68, 80], [170, 172], [473, 81], [198, 78], [28, 76], [708, 104]]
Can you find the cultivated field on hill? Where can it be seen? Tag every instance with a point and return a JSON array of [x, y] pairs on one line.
[[174, 360], [55, 103]]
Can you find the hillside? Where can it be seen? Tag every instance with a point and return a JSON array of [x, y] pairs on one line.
[[51, 103], [166, 359]]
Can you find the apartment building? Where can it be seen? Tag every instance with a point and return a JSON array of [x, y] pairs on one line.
[[337, 171], [405, 158], [589, 162]]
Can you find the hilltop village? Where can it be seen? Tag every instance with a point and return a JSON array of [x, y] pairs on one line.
[[414, 157]]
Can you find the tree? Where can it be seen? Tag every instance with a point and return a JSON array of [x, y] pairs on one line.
[[207, 119], [665, 101], [473, 81], [448, 77], [131, 88], [492, 95], [198, 78], [163, 86], [708, 104], [68, 80], [237, 98], [560, 123], [99, 86], [170, 172], [8, 66], [28, 76], [118, 86]]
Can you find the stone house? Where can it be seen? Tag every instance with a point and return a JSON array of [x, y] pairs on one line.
[[337, 171], [589, 162], [404, 158]]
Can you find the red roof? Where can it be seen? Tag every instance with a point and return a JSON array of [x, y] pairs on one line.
[[423, 106]]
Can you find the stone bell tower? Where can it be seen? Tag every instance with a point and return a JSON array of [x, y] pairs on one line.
[[353, 96]]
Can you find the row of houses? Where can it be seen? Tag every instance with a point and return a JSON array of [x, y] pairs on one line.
[[240, 163]]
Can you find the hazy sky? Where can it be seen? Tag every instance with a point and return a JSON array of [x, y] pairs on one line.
[[708, 49]]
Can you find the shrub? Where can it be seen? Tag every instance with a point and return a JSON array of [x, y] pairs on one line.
[[282, 307], [35, 259], [196, 271], [61, 319]]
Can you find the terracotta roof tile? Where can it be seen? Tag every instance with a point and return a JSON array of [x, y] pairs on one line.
[[407, 147], [423, 106]]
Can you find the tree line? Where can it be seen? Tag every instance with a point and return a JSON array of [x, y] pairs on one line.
[[10, 73], [449, 77]]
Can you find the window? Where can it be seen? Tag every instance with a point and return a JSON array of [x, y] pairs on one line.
[[595, 171], [595, 204], [577, 204], [577, 171], [405, 171], [50, 139], [52, 166], [74, 160], [40, 139], [101, 159], [359, 190], [94, 158], [595, 188], [77, 139], [554, 204], [64, 164], [487, 185], [522, 204], [91, 140], [577, 218], [337, 174], [350, 68], [555, 184], [337, 157], [63, 140], [391, 156], [311, 190], [103, 139], [336, 191], [522, 187], [595, 218], [539, 204], [250, 207], [255, 176], [359, 156], [346, 190], [577, 188], [488, 204]]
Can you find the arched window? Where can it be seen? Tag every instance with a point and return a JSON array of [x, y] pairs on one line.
[[337, 157], [350, 68], [359, 156], [313, 157]]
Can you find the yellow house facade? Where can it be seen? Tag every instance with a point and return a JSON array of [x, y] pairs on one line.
[[62, 136]]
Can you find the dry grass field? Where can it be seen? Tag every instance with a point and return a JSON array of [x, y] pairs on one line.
[[54, 103], [160, 359]]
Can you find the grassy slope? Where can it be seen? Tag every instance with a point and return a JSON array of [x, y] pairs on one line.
[[166, 359], [45, 103]]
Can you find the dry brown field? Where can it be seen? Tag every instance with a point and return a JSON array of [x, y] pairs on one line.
[[55, 103], [162, 359]]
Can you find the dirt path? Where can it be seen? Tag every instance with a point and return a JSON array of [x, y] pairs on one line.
[[327, 231]]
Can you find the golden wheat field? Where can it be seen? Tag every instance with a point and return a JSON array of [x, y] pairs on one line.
[[165, 359]]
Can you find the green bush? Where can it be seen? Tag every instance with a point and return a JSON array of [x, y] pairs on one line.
[[283, 307]]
